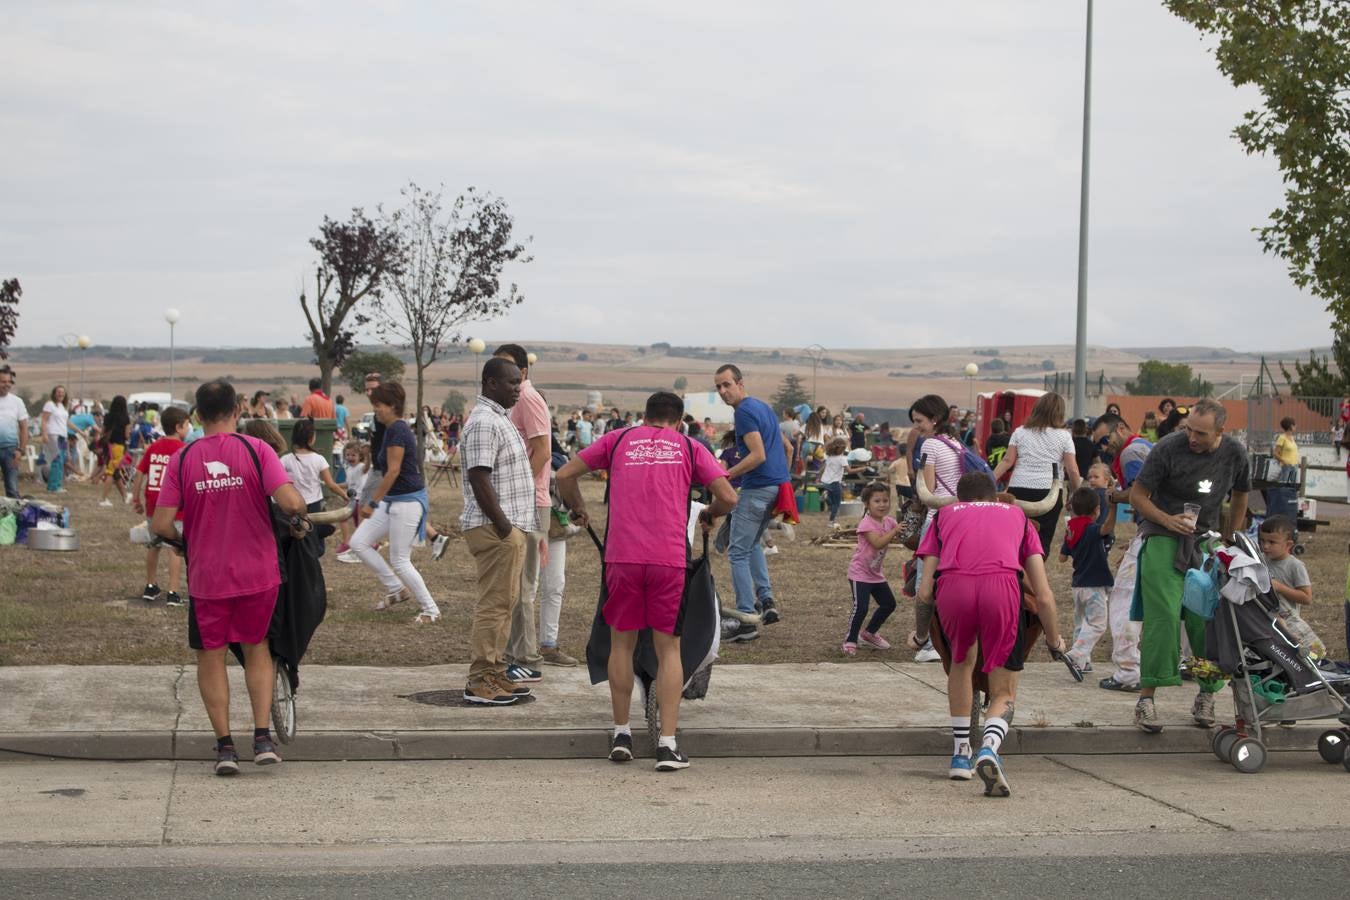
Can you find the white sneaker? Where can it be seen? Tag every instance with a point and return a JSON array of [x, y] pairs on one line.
[[927, 654], [105, 503], [348, 557], [770, 551]]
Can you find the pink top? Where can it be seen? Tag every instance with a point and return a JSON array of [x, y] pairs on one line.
[[531, 418], [227, 524], [981, 539], [867, 560], [650, 472]]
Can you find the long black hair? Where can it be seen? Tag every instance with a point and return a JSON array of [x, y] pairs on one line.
[[116, 421]]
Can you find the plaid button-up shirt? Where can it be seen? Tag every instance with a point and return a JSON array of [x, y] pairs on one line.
[[490, 441]]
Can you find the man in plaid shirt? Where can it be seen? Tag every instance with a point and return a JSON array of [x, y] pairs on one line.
[[499, 511]]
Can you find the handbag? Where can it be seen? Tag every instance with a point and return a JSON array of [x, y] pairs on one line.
[[1200, 592]]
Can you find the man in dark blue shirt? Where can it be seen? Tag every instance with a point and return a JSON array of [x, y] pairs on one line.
[[763, 469]]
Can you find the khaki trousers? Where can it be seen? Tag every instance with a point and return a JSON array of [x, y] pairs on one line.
[[499, 562], [523, 644]]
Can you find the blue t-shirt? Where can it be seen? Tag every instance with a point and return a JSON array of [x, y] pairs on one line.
[[82, 421], [340, 413], [409, 479], [755, 415]]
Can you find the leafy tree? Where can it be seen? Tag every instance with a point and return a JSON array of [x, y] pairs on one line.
[[455, 403], [1047, 365], [354, 259], [1297, 54], [1315, 378], [10, 292], [583, 357], [448, 273], [681, 383], [791, 393], [359, 362], [1157, 377]]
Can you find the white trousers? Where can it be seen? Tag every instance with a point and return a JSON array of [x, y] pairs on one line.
[[551, 593], [1124, 633], [398, 523]]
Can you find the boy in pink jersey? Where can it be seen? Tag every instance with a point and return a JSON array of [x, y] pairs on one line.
[[222, 483], [980, 548], [651, 468]]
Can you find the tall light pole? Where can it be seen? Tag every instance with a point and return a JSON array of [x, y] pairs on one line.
[[477, 346], [817, 353], [971, 371], [70, 340], [83, 343], [1080, 343], [171, 316]]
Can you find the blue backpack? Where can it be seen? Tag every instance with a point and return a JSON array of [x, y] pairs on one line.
[[970, 460]]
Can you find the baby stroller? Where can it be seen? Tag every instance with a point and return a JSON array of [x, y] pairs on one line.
[[1273, 680]]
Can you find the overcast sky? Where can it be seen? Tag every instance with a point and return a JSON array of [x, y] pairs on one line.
[[865, 174]]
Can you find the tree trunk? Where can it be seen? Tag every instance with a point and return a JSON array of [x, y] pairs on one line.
[[418, 428]]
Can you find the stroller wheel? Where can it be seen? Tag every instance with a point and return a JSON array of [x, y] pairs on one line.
[[1249, 756], [1216, 743], [283, 704], [1331, 746]]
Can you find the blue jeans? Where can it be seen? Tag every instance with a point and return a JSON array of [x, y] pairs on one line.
[[834, 493], [9, 467], [55, 451], [749, 571]]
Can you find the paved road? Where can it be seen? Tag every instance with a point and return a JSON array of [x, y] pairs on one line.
[[1260, 875]]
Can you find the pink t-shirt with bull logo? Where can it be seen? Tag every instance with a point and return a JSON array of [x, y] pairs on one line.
[[227, 523]]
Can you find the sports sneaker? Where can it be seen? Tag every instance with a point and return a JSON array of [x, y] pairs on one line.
[[874, 640], [227, 760], [519, 674], [990, 769], [1109, 683], [1146, 716], [438, 546], [668, 760], [151, 593], [342, 548], [849, 648], [1202, 710], [742, 632], [265, 752], [768, 611], [348, 557], [510, 687], [927, 653], [552, 656], [173, 598], [962, 769], [621, 748], [486, 692], [770, 551]]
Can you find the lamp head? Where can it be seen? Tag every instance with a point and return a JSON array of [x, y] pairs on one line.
[[477, 345], [171, 316], [972, 370], [84, 342]]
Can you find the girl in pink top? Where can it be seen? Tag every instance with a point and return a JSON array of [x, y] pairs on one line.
[[865, 578]]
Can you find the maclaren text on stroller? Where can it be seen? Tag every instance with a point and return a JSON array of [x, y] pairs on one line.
[[1273, 680]]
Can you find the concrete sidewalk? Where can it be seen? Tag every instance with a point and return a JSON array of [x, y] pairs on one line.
[[361, 713]]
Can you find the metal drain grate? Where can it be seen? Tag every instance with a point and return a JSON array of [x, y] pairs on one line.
[[452, 699]]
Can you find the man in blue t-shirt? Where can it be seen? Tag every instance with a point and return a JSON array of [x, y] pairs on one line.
[[340, 413], [763, 469]]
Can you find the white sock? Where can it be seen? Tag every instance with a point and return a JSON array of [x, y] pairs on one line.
[[995, 730], [667, 742], [961, 735], [622, 729]]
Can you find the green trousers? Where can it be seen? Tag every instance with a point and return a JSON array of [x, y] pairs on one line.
[[1159, 587]]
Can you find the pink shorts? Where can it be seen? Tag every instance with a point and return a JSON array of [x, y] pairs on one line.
[[983, 607], [641, 596], [229, 620]]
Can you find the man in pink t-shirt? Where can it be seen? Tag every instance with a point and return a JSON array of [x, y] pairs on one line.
[[531, 417], [975, 550], [651, 468], [221, 482]]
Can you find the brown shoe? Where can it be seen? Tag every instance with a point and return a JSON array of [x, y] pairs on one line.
[[486, 691], [505, 684], [552, 656]]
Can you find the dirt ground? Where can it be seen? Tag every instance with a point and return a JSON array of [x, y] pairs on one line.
[[81, 607]]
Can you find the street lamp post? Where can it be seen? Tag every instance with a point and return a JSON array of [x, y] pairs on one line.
[[171, 316], [477, 346], [70, 340], [1080, 338], [83, 343], [817, 353], [971, 371]]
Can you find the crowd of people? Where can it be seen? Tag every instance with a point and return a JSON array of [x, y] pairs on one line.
[[980, 516]]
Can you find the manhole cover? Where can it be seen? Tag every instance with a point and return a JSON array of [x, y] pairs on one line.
[[452, 698]]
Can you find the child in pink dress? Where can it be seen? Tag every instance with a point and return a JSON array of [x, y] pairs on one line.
[[865, 578]]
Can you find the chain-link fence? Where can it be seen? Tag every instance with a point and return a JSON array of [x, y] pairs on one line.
[[1315, 419]]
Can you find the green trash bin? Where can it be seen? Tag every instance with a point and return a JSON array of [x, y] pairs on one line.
[[813, 499], [323, 434]]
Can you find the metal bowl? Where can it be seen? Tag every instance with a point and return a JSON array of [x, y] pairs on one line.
[[61, 539]]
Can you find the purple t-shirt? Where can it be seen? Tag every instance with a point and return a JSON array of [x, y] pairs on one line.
[[866, 563], [227, 524], [651, 470]]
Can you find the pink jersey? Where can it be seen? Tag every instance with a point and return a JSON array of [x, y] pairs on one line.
[[650, 471], [227, 523], [867, 560], [531, 417], [981, 539]]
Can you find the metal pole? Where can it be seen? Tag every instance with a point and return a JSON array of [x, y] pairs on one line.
[[172, 395], [1080, 345], [82, 393]]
